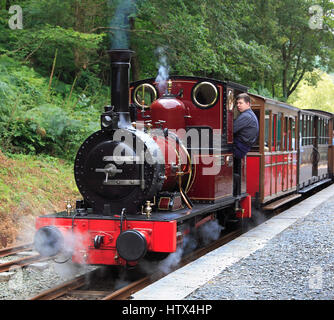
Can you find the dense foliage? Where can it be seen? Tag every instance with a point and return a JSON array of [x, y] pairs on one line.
[[54, 73], [319, 96]]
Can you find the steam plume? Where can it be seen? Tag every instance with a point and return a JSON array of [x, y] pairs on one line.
[[120, 24], [163, 69]]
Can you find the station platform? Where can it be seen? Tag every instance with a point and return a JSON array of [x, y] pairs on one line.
[[290, 256]]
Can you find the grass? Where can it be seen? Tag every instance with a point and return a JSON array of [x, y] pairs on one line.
[[31, 186]]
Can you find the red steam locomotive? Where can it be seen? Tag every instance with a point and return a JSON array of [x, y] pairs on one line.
[[162, 166]]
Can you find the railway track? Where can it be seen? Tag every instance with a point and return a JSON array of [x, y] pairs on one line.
[[72, 287], [20, 262], [15, 249]]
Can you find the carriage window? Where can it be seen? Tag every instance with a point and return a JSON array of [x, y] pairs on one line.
[[324, 140], [288, 133], [326, 132], [273, 133], [279, 132], [320, 130], [257, 144], [308, 131], [293, 134], [266, 131], [308, 135], [305, 130], [286, 136], [301, 128], [312, 133]]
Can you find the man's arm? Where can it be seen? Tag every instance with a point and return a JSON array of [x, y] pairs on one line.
[[241, 122]]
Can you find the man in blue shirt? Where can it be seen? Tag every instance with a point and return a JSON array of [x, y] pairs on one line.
[[245, 127], [245, 133]]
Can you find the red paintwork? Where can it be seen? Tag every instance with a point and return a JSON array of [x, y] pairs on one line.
[[213, 181], [253, 175], [246, 205], [267, 176], [279, 172], [294, 170], [160, 237], [208, 218], [170, 110]]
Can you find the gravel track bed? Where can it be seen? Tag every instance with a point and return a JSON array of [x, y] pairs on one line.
[[296, 264], [24, 283]]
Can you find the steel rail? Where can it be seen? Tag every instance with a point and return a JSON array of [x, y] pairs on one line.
[[63, 288], [21, 262], [15, 249]]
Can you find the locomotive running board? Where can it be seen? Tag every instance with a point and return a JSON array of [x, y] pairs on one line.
[[278, 203]]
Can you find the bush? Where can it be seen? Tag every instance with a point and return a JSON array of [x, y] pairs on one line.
[[34, 120]]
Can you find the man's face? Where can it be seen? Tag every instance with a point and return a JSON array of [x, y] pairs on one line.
[[242, 105]]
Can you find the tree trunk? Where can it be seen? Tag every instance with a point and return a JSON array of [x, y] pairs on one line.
[[285, 73], [135, 66]]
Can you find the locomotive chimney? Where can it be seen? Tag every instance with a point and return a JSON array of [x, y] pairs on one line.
[[120, 67]]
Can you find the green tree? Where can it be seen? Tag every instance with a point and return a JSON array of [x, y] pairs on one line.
[[200, 37], [284, 27], [319, 96]]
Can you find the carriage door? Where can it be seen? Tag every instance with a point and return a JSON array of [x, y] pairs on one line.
[[322, 148], [315, 135]]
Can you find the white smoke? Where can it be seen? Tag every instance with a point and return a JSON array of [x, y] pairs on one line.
[[172, 261], [207, 233], [63, 266], [163, 69], [210, 231]]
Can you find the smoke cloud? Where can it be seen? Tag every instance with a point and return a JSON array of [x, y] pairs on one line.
[[207, 233], [210, 231], [120, 24]]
